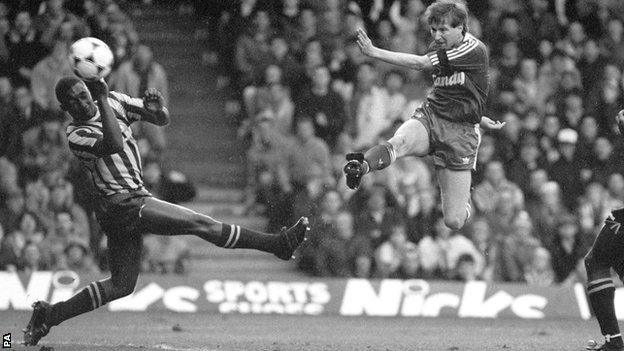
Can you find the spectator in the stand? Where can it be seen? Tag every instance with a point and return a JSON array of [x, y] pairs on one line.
[[454, 245], [25, 49], [37, 202], [567, 250], [517, 249], [27, 115], [78, 258], [566, 170], [324, 106], [309, 153], [539, 22], [508, 139], [574, 41], [341, 253], [588, 133], [572, 110], [529, 159], [613, 43], [391, 255], [369, 107], [466, 269], [539, 271], [268, 180], [252, 50], [548, 138], [165, 254], [47, 72], [134, 77], [11, 251], [62, 201], [393, 82], [282, 57], [547, 212], [12, 210], [607, 99], [421, 214], [486, 194], [30, 229], [31, 258], [9, 179], [508, 66], [52, 17], [45, 150], [526, 86], [603, 162], [375, 221], [591, 66]]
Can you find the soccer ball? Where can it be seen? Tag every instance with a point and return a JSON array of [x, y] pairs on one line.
[[91, 59]]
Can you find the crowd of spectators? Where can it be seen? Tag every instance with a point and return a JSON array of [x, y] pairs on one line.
[[304, 96], [46, 197]]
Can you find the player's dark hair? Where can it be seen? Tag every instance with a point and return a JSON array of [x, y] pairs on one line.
[[455, 10], [63, 86]]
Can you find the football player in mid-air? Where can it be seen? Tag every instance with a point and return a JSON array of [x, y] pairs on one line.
[[606, 253], [447, 124], [101, 137]]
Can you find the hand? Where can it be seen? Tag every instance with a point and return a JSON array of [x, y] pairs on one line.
[[98, 88], [488, 124], [364, 42], [153, 100], [620, 121]]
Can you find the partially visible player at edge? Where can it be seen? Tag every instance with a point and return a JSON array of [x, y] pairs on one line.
[[607, 252], [447, 124], [101, 137]]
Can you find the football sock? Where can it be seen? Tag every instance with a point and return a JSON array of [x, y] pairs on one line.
[[380, 156], [237, 237], [601, 293], [88, 299]]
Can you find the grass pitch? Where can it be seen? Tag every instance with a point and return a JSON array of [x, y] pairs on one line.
[[102, 330]]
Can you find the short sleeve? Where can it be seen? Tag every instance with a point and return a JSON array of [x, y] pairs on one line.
[[83, 142], [132, 106], [467, 56]]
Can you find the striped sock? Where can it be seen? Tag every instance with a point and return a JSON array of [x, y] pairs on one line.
[[237, 237], [88, 299], [601, 293]]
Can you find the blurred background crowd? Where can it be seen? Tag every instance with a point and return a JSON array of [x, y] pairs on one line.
[[46, 198], [304, 96]]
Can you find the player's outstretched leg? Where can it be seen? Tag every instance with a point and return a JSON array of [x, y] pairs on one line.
[[124, 254], [411, 138], [600, 286], [163, 218]]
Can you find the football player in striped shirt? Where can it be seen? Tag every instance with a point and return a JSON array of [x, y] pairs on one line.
[[607, 253], [447, 124], [101, 137]]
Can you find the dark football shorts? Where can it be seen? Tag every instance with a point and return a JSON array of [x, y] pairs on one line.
[[608, 248], [121, 213], [453, 145]]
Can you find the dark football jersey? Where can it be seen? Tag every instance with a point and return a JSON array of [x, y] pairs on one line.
[[460, 81]]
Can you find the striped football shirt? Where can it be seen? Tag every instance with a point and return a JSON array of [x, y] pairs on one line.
[[116, 173]]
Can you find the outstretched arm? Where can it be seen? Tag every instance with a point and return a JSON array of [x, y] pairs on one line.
[[154, 111], [416, 62]]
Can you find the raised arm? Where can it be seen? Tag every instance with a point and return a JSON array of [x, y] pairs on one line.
[[155, 111], [416, 62], [112, 139]]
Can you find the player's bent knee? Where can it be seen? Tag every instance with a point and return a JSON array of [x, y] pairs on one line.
[[454, 222]]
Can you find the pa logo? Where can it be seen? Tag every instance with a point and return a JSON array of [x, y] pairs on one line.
[[6, 341]]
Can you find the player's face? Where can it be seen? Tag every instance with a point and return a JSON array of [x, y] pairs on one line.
[[445, 35], [79, 103]]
